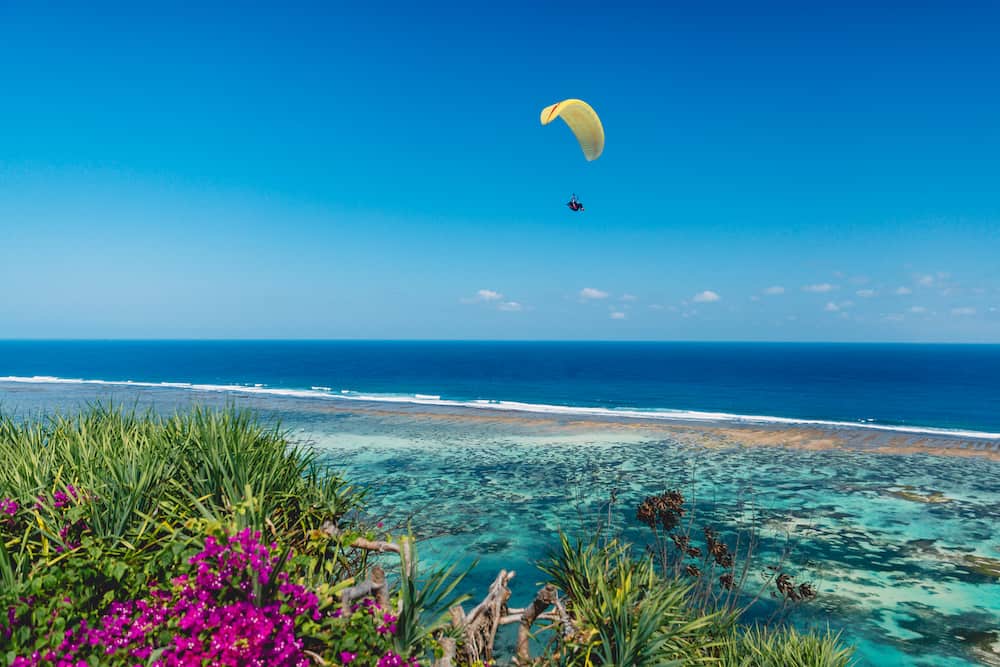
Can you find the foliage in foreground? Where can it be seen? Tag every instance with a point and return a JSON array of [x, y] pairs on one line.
[[624, 613], [205, 538], [763, 647], [130, 539]]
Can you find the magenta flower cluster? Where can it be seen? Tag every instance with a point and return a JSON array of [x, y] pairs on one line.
[[8, 510], [235, 607], [390, 659], [71, 532], [7, 629], [61, 499], [212, 616], [385, 622]]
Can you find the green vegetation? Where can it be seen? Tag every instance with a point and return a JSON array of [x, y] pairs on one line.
[[762, 647], [206, 538], [625, 613]]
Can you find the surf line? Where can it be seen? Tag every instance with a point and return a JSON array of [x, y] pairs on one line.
[[668, 415]]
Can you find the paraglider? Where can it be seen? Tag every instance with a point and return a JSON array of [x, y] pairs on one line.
[[586, 127], [583, 121]]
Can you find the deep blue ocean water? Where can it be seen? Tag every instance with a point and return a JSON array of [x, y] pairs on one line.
[[948, 386], [903, 580]]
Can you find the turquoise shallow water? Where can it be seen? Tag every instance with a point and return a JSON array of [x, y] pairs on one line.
[[896, 576]]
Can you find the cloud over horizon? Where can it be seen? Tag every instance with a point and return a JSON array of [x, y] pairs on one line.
[[483, 295], [820, 288], [708, 296], [593, 293]]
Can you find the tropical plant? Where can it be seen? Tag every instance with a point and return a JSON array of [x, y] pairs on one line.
[[625, 614], [424, 603], [759, 646]]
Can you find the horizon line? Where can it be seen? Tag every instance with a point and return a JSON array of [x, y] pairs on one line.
[[488, 340]]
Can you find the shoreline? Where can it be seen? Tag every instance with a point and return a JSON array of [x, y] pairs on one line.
[[706, 429]]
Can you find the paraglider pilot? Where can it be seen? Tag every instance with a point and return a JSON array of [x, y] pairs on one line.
[[574, 203]]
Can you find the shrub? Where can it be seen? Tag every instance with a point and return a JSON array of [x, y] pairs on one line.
[[625, 613], [763, 647]]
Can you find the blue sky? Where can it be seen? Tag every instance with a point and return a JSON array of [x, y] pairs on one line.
[[380, 172]]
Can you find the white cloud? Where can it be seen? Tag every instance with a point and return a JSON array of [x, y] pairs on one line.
[[774, 289], [832, 307], [917, 309], [820, 287], [618, 315], [592, 293], [708, 296], [482, 296], [754, 297], [488, 295], [510, 306], [903, 291], [656, 306], [865, 293], [963, 311], [926, 281], [629, 297], [894, 317]]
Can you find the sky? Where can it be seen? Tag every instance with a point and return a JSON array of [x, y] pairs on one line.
[[771, 172]]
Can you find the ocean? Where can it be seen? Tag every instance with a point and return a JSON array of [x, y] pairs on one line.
[[875, 467], [941, 386]]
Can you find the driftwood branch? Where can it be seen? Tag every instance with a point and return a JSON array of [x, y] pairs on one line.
[[447, 652], [403, 548], [545, 599], [481, 624], [316, 658], [375, 586]]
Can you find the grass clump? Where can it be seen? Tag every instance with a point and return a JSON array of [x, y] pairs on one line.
[[763, 647], [623, 612]]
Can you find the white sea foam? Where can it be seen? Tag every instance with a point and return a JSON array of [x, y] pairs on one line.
[[512, 406]]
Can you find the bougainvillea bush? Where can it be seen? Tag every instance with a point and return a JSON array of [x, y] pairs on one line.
[[201, 539], [232, 603]]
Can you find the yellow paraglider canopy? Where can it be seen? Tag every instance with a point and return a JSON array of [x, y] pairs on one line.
[[584, 122]]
